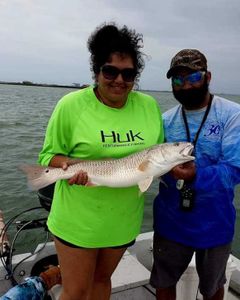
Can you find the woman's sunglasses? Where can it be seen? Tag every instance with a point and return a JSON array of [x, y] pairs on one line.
[[191, 78], [111, 73]]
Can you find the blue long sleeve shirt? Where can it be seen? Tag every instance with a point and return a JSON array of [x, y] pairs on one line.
[[211, 221]]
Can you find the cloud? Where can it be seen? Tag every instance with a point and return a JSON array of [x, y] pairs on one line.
[[46, 40]]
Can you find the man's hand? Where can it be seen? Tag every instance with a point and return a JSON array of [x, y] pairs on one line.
[[186, 171]]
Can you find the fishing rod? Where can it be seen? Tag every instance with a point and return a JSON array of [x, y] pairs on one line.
[[7, 248]]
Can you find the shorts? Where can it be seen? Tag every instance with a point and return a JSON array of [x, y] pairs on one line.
[[75, 246], [171, 259]]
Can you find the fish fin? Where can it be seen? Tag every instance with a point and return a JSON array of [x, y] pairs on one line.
[[143, 166], [36, 176], [145, 184]]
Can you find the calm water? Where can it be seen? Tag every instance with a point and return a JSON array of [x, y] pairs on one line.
[[24, 112]]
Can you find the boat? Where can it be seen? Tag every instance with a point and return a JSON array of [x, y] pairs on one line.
[[129, 281]]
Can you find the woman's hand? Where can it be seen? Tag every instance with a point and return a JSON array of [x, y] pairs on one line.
[[60, 161], [80, 178], [186, 171]]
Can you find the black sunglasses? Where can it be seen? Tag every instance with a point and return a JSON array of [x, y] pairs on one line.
[[111, 73]]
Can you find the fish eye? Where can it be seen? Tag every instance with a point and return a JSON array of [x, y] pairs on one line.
[[176, 144], [47, 171]]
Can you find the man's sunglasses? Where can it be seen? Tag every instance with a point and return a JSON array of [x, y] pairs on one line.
[[111, 73], [191, 78]]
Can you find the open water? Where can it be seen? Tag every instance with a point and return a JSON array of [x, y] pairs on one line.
[[24, 113]]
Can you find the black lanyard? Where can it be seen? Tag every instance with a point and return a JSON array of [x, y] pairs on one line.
[[194, 142]]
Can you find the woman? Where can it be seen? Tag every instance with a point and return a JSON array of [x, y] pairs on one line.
[[93, 226]]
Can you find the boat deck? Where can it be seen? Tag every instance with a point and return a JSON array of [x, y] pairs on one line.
[[131, 278], [131, 281], [232, 296]]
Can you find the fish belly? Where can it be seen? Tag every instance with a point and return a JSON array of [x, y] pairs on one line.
[[117, 180]]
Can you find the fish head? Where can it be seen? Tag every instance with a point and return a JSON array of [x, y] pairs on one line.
[[177, 150], [167, 155]]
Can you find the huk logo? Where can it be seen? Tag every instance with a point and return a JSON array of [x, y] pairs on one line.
[[115, 137]]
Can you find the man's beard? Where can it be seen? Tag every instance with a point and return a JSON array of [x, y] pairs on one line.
[[192, 98]]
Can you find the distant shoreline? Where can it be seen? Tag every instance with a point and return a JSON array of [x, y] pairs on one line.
[[74, 86], [78, 86], [29, 83]]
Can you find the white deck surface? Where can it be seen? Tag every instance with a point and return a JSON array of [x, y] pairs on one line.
[[230, 296]]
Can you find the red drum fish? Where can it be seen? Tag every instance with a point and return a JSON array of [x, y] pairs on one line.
[[136, 169]]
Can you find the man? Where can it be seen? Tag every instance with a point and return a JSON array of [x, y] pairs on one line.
[[194, 210]]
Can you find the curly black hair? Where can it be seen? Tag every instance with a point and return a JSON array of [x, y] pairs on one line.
[[108, 39]]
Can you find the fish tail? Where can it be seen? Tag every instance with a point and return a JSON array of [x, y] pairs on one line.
[[36, 176]]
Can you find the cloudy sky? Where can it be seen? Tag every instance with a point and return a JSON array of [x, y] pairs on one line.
[[44, 41]]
